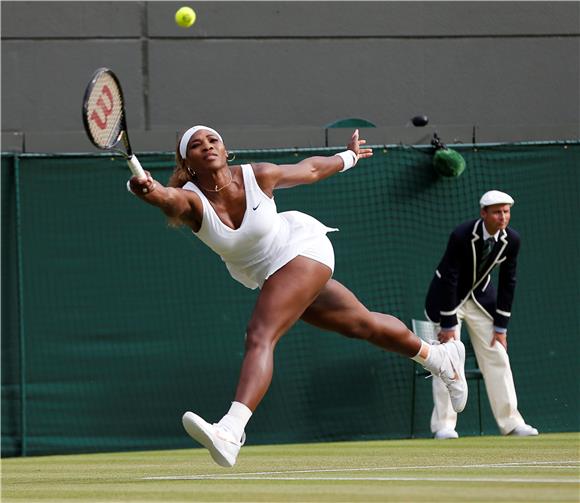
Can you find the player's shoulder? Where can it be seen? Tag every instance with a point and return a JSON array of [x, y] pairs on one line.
[[265, 172], [189, 191], [188, 188], [264, 167]]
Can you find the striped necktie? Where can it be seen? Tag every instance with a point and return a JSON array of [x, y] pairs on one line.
[[488, 245]]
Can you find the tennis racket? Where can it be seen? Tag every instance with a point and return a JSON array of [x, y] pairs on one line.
[[104, 117]]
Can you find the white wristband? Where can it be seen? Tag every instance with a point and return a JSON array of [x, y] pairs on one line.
[[349, 159]]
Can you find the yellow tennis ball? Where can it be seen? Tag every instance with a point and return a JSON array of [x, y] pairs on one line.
[[185, 17]]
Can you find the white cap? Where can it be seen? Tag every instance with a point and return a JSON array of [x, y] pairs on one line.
[[495, 197]]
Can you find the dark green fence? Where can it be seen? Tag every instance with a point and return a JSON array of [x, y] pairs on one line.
[[114, 324]]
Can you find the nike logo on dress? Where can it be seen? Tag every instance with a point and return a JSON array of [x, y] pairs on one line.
[[257, 206]]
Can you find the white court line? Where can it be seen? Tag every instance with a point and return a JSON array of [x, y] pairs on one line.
[[275, 475], [528, 464], [366, 479]]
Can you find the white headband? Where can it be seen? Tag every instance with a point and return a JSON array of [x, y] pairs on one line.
[[189, 133]]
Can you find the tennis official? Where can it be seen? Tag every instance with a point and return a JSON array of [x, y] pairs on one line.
[[461, 291], [289, 257]]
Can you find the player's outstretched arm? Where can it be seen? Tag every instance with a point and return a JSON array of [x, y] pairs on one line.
[[176, 203], [312, 169]]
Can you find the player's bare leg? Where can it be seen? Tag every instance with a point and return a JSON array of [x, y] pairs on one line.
[[282, 300], [337, 309]]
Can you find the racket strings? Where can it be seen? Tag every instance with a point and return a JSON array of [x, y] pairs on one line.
[[105, 111]]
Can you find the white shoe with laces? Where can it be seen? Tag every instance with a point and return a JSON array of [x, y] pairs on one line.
[[222, 445], [524, 430], [452, 371]]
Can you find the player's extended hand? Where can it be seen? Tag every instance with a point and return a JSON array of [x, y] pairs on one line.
[[501, 338], [142, 186], [355, 145]]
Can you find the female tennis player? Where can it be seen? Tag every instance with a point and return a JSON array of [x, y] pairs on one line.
[[289, 257]]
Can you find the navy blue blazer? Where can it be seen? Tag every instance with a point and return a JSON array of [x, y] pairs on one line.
[[457, 278]]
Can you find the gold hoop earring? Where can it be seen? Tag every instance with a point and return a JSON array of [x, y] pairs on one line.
[[232, 159], [190, 171]]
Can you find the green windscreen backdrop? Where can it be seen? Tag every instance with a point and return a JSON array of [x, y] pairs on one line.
[[115, 323]]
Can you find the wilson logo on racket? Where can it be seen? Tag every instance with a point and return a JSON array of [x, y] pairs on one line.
[[106, 109]]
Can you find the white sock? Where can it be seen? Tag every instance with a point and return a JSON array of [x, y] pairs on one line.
[[236, 419], [419, 359], [434, 359]]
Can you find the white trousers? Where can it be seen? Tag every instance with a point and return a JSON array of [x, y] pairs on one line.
[[495, 367]]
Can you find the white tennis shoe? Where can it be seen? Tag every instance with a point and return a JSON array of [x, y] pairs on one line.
[[446, 434], [524, 430], [452, 372], [220, 443]]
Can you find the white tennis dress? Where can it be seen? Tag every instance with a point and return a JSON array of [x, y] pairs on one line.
[[266, 240]]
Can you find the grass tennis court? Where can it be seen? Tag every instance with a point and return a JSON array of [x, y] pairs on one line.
[[489, 468]]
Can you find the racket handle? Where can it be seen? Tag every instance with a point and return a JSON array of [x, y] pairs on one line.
[[135, 167]]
